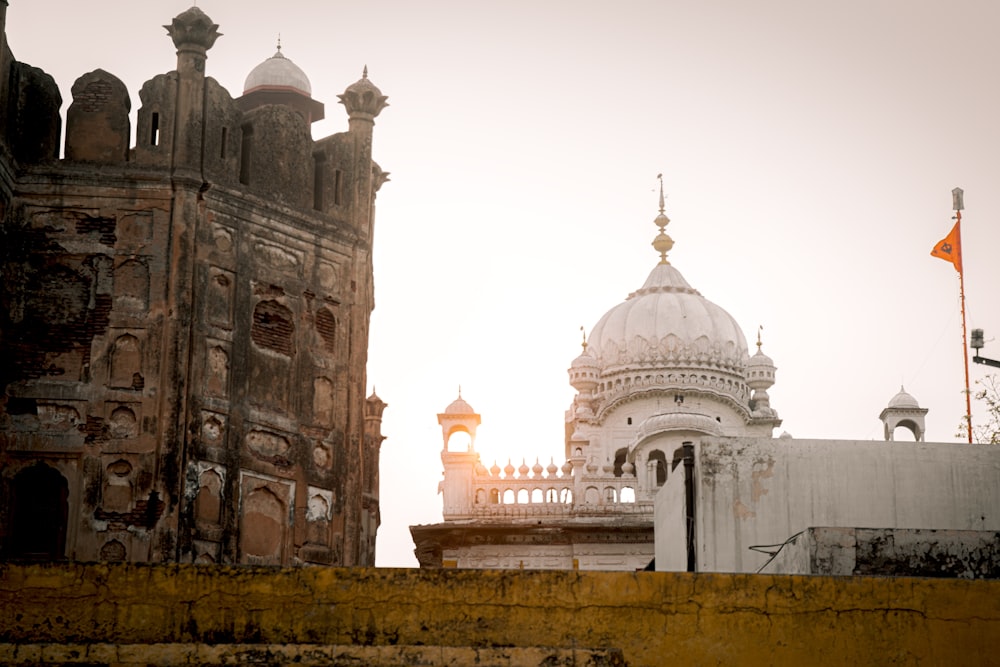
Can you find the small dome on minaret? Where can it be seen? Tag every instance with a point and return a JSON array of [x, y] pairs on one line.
[[459, 417], [584, 371], [278, 80], [903, 410]]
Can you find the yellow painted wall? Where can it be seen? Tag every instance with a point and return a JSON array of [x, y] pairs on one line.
[[178, 614]]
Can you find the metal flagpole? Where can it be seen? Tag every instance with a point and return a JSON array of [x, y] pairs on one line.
[[958, 204]]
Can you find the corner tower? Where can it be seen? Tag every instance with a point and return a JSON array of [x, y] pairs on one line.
[[185, 322]]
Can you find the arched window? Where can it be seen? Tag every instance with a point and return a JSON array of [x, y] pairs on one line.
[[39, 512], [522, 497], [620, 456], [656, 456], [508, 497], [536, 496], [459, 440], [627, 495]]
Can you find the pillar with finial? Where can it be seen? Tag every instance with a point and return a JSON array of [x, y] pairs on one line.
[[193, 34]]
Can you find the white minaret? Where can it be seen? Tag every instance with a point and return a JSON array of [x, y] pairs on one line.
[[459, 467]]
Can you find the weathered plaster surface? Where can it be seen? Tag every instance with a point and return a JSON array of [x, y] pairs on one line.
[[183, 614]]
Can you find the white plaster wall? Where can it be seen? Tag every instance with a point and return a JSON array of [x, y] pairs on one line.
[[609, 557], [761, 491], [669, 533]]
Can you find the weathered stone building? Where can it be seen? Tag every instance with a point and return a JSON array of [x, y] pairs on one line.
[[184, 323]]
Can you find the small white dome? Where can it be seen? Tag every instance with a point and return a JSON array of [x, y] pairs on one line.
[[903, 400], [278, 72], [459, 407]]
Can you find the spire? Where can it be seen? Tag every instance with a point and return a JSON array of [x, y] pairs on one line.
[[662, 243], [759, 329], [584, 334]]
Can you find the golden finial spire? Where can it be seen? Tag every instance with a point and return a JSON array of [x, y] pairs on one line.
[[584, 334], [759, 329], [662, 243]]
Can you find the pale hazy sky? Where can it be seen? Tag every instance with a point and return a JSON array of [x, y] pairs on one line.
[[808, 149]]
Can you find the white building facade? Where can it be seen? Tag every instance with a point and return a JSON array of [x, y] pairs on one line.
[[660, 370]]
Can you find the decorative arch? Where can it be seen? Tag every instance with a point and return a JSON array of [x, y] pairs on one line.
[[262, 528], [126, 363], [117, 492], [657, 462], [208, 503], [323, 401]]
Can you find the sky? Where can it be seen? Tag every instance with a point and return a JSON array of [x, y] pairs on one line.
[[808, 152]]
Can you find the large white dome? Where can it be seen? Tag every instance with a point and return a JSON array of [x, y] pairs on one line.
[[667, 324]]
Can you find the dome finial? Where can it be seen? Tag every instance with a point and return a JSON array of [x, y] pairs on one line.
[[364, 72], [662, 243], [759, 329], [584, 334], [460, 391], [660, 176], [279, 42]]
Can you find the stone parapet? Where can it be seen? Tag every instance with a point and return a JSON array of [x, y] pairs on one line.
[[165, 614]]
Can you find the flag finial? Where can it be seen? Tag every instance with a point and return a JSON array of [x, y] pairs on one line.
[[956, 199]]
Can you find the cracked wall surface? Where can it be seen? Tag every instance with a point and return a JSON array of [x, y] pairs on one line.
[[169, 614]]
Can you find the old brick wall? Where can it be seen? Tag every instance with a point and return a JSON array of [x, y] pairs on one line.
[[184, 614]]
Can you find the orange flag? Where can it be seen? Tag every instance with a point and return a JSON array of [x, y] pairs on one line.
[[950, 247]]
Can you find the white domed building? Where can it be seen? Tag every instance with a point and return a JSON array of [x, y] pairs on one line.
[[660, 370]]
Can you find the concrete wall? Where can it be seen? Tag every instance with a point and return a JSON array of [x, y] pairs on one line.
[[761, 492], [969, 554], [187, 614]]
